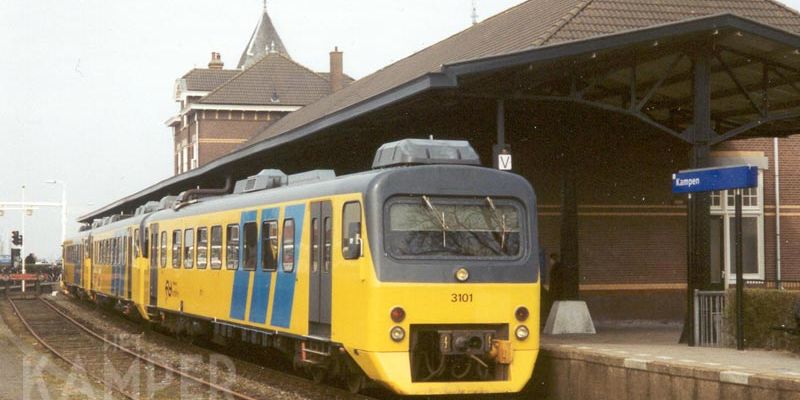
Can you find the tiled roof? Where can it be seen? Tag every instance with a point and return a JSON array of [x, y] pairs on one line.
[[327, 75], [599, 17], [206, 80], [264, 39], [274, 74], [531, 24]]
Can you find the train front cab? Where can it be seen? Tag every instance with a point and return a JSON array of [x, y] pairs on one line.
[[424, 319]]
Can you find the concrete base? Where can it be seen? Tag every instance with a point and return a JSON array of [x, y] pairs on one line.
[[569, 317]]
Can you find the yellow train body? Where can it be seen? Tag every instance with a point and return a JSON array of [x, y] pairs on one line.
[[171, 267]]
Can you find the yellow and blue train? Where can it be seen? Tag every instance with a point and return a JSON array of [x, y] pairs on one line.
[[420, 274]]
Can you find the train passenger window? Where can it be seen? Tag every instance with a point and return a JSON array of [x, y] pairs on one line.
[[120, 250], [216, 247], [188, 248], [250, 246], [146, 244], [232, 248], [269, 245], [163, 249], [176, 248], [137, 245], [202, 248], [351, 220], [326, 255], [288, 245], [314, 245]]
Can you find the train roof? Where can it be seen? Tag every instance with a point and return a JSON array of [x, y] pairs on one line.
[[272, 186]]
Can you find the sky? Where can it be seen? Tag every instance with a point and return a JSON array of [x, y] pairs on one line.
[[86, 85]]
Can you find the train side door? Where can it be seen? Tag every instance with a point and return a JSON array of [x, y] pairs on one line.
[[153, 253], [320, 271]]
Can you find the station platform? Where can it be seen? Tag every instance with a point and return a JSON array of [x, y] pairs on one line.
[[649, 363]]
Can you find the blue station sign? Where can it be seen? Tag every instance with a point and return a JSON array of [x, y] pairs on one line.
[[711, 179]]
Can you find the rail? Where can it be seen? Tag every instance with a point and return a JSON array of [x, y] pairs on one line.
[[101, 377]]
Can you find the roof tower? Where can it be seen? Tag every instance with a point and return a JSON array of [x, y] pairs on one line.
[[264, 40]]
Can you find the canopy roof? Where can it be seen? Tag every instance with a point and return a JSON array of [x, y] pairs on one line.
[[629, 57]]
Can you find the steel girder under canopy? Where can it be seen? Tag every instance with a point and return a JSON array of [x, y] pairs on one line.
[[754, 78]]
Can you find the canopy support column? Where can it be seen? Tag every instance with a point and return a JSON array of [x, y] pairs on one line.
[[569, 210], [698, 267]]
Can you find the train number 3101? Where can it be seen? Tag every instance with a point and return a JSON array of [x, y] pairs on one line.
[[461, 298]]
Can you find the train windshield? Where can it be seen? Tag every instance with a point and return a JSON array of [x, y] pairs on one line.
[[428, 227]]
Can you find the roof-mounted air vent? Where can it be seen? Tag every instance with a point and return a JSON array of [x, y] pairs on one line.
[[146, 208], [166, 202], [422, 151], [317, 175], [266, 179]]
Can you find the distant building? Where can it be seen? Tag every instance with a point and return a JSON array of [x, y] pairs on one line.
[[220, 109]]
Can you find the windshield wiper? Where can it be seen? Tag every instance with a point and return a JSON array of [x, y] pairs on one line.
[[439, 219], [501, 220]]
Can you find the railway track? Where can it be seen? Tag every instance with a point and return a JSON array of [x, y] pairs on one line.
[[123, 370]]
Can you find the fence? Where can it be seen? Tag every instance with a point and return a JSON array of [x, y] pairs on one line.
[[708, 315]]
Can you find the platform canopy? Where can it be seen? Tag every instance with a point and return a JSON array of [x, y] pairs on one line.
[[699, 73]]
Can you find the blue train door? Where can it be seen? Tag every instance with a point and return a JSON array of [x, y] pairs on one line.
[[320, 271], [153, 253]]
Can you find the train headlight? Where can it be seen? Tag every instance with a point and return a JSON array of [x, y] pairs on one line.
[[522, 332], [521, 313], [398, 314], [397, 333], [462, 274]]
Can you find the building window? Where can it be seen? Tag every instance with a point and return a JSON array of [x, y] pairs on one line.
[[195, 153], [185, 158], [723, 235]]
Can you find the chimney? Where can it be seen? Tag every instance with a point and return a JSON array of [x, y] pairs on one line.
[[337, 70], [216, 61]]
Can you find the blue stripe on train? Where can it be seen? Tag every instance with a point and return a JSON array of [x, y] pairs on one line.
[[241, 278], [285, 283], [263, 279]]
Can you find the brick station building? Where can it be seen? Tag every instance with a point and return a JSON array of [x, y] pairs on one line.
[[600, 101], [220, 109]]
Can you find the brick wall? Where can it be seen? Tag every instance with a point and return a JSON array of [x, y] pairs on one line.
[[632, 230], [220, 132]]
